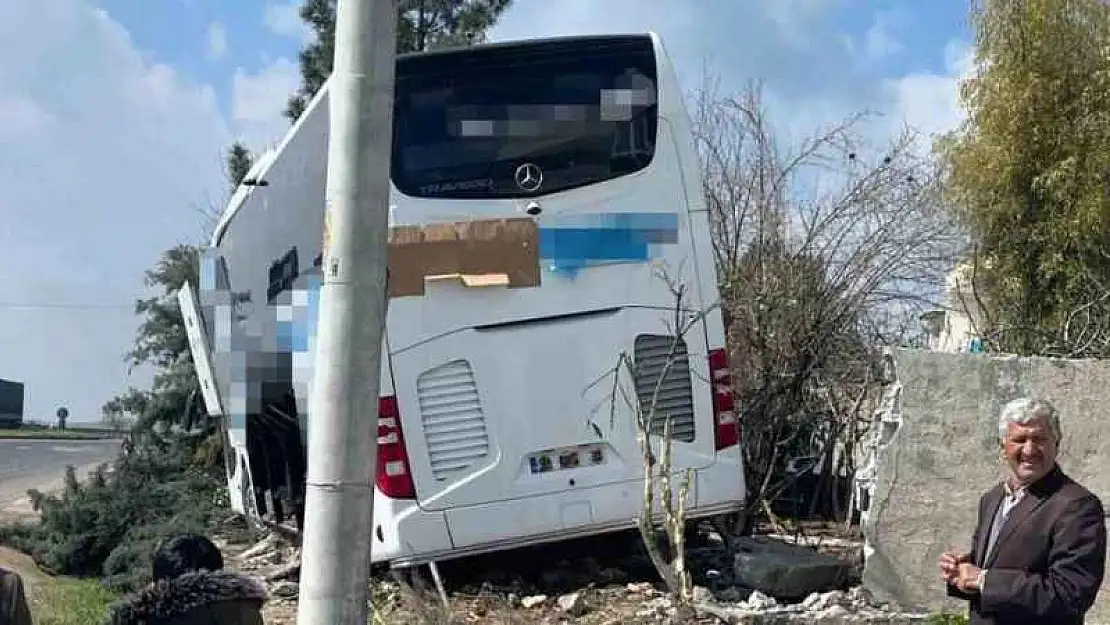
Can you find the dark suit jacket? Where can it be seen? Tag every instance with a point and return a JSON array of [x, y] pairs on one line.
[[13, 601], [1049, 559], [202, 598]]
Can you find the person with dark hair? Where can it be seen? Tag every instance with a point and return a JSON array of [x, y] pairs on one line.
[[188, 553], [13, 600], [191, 587]]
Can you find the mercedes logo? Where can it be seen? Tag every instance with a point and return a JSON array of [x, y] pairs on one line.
[[528, 177]]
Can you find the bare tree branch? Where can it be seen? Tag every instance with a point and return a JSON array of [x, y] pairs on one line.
[[824, 249]]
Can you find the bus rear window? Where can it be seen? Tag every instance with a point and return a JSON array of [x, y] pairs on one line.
[[524, 120]]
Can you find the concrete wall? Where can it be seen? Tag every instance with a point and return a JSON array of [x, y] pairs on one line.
[[936, 451]]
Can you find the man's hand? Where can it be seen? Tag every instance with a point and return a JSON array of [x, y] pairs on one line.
[[967, 577], [950, 566]]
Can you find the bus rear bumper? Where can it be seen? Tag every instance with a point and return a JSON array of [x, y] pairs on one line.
[[514, 524], [549, 537]]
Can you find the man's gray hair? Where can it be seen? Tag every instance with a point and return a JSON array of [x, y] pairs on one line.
[[1022, 411]]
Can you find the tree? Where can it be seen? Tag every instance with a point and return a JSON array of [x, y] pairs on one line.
[[162, 342], [239, 163], [824, 248], [421, 25], [114, 416], [1027, 174], [642, 390], [170, 482]]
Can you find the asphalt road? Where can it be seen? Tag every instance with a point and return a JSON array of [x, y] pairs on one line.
[[41, 464]]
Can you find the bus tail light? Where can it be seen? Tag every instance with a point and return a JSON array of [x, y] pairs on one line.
[[394, 477], [727, 426]]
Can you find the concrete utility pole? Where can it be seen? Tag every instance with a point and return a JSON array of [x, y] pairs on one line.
[[343, 407]]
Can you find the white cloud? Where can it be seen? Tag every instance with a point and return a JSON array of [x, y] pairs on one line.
[[794, 18], [582, 17], [929, 102], [285, 20], [925, 101], [20, 118], [115, 154], [880, 40], [257, 102], [217, 41]]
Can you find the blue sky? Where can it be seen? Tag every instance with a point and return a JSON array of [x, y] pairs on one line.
[[114, 115]]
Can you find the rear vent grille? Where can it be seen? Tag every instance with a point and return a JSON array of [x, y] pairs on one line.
[[676, 395], [451, 415]]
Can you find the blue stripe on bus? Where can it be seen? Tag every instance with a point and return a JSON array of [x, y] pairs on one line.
[[574, 242], [293, 336], [578, 244]]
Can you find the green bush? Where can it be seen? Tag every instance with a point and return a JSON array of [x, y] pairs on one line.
[[108, 526]]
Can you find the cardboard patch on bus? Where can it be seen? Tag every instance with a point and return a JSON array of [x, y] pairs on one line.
[[483, 253]]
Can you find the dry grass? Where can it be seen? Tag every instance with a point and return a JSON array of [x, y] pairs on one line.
[[58, 600], [64, 601]]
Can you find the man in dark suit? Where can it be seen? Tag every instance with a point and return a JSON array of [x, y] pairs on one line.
[[1039, 549], [13, 601]]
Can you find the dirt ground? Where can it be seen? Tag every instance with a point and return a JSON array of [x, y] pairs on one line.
[[602, 581], [58, 600], [22, 564]]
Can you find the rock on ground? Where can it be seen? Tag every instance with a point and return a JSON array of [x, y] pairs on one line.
[[784, 570], [829, 608]]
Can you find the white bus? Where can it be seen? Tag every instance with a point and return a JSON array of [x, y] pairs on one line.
[[542, 191]]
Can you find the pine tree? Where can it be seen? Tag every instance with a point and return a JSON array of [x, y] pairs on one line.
[[421, 25], [239, 163]]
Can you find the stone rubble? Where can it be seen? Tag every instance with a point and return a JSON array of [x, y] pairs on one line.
[[828, 608], [722, 599], [286, 589], [533, 601], [573, 604]]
